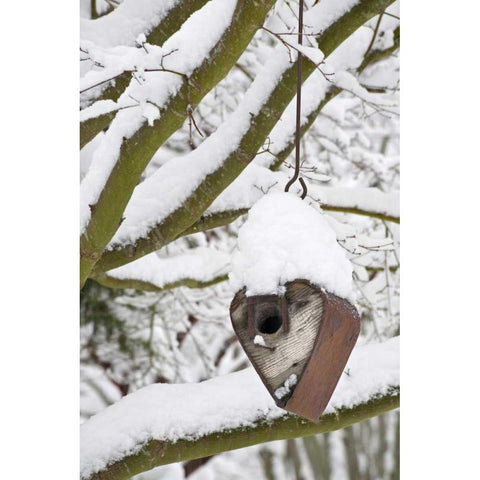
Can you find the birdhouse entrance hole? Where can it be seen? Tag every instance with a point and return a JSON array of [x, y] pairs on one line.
[[269, 324], [267, 314]]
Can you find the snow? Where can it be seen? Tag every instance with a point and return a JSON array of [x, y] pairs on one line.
[[201, 264], [368, 199], [124, 125], [173, 471], [126, 22], [325, 13], [247, 188], [349, 82], [99, 108], [166, 411], [290, 382], [313, 53], [114, 61], [347, 56], [172, 55], [284, 239]]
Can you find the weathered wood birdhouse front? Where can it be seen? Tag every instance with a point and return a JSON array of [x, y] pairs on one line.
[[292, 311]]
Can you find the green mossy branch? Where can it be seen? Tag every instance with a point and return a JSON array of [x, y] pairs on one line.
[[90, 128], [213, 220], [112, 282], [359, 211], [220, 219], [156, 453]]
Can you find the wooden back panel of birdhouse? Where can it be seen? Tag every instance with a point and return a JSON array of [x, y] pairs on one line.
[[279, 343], [336, 338]]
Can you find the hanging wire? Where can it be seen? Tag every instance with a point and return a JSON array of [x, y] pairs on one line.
[[299, 108]]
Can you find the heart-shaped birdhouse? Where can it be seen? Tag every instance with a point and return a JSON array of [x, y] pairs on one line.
[[292, 311], [298, 343]]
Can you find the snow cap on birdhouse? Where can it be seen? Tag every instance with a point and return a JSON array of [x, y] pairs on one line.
[[292, 311]]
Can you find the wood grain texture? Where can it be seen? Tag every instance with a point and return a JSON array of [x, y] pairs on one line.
[[286, 351], [308, 333]]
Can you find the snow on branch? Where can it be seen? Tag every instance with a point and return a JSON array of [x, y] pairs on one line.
[[164, 100], [108, 63], [169, 15], [181, 176], [131, 18], [162, 423], [236, 200], [317, 92], [253, 183], [196, 268], [363, 201], [256, 180], [214, 165], [369, 202], [156, 91]]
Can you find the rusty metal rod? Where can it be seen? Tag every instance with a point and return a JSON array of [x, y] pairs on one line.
[[299, 107]]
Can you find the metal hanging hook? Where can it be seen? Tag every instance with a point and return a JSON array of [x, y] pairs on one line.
[[299, 108]]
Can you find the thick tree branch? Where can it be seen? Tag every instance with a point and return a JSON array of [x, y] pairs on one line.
[[208, 222], [137, 151], [90, 128], [261, 124], [283, 154], [213, 220], [156, 453]]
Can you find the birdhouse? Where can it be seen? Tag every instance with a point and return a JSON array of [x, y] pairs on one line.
[[298, 343], [293, 311]]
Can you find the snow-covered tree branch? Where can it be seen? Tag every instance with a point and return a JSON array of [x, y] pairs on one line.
[[189, 79], [198, 268], [188, 120], [268, 96], [230, 412], [167, 22]]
